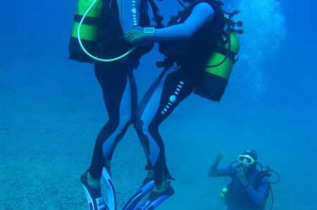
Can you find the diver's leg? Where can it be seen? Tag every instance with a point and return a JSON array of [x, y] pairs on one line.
[[174, 86], [154, 91], [114, 81], [148, 182]]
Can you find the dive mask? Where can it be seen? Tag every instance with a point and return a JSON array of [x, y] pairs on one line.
[[245, 159]]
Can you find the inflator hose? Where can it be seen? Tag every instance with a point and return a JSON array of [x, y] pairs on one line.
[[89, 54]]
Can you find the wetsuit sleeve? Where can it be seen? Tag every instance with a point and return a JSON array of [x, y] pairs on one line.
[[258, 195], [129, 12], [201, 14], [214, 171]]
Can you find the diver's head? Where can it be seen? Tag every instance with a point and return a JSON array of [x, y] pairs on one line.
[[248, 159]]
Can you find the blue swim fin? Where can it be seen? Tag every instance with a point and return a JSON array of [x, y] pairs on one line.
[[146, 187], [111, 199], [155, 199]]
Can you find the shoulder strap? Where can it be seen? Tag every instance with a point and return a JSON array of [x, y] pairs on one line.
[[110, 4], [157, 17]]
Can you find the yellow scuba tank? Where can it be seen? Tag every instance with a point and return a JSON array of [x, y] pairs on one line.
[[86, 19], [83, 42], [218, 69], [224, 70]]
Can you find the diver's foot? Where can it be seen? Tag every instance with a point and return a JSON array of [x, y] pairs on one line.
[[93, 195], [147, 185], [93, 183], [156, 198]]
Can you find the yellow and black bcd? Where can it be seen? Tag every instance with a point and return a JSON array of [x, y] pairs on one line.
[[88, 29], [218, 69]]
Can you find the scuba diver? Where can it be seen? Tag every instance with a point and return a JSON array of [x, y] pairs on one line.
[[200, 48], [250, 185], [97, 38]]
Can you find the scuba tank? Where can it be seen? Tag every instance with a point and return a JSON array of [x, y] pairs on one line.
[[88, 32], [217, 69], [85, 34]]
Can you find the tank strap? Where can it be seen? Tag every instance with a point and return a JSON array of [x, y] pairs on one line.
[[88, 20], [225, 52]]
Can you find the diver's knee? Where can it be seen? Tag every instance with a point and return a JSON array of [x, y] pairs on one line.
[[107, 129], [138, 124], [112, 124], [153, 128]]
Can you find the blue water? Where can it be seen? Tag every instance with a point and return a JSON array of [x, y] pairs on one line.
[[51, 111]]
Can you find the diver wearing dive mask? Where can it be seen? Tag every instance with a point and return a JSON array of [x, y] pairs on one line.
[[248, 189]]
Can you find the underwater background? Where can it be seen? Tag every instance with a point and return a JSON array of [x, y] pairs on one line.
[[51, 110]]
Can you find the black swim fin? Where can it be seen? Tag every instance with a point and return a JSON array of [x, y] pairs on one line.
[[146, 187]]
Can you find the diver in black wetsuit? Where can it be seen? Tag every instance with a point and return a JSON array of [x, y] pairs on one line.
[[194, 28], [119, 91], [249, 187]]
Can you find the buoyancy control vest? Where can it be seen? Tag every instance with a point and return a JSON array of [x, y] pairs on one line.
[[237, 196], [101, 32], [184, 52]]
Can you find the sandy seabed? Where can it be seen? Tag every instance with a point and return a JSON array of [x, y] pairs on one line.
[[48, 125]]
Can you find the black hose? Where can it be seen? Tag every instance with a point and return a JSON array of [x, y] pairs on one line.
[[226, 56], [181, 3]]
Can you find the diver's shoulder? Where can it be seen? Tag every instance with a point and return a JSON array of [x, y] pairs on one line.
[[204, 6]]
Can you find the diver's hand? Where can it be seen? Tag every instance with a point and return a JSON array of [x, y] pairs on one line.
[[139, 35], [240, 175], [219, 158], [135, 35]]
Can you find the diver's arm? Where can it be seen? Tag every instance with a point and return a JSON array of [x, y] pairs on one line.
[[129, 13], [258, 195], [214, 171], [201, 13]]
